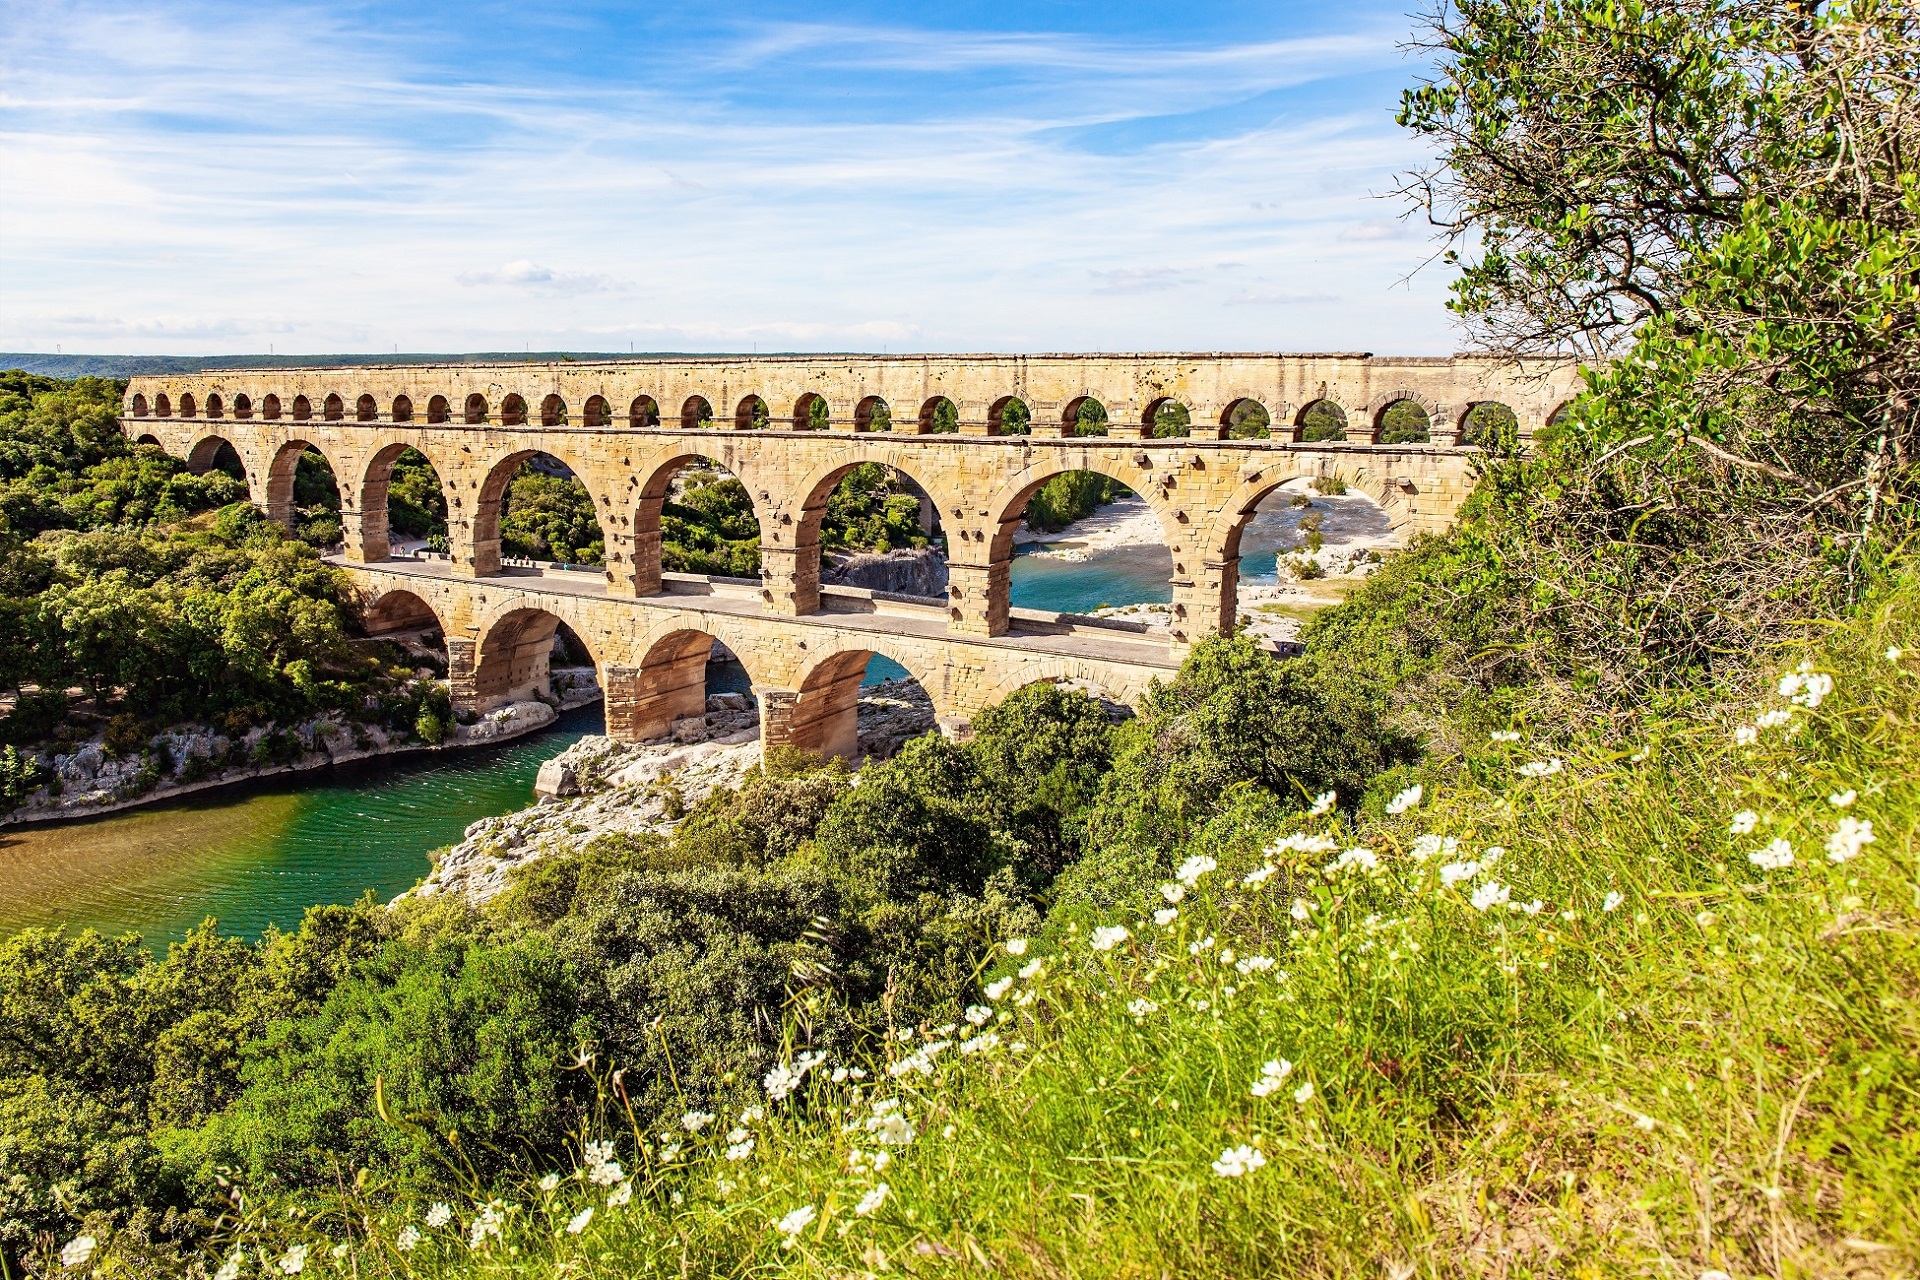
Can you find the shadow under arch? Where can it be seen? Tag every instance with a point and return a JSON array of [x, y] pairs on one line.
[[305, 493], [216, 453], [397, 612], [668, 685], [513, 660], [823, 716]]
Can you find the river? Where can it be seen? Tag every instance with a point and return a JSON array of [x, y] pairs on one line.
[[257, 855]]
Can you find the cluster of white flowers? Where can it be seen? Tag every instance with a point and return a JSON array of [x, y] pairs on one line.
[[485, 1223], [1454, 872], [1237, 1162], [695, 1121], [1190, 871], [1848, 839], [1259, 875], [1166, 916], [1505, 735], [1405, 800], [294, 1260], [1141, 1008], [1247, 966], [1490, 894], [1805, 686], [794, 1223], [409, 1238], [1541, 768], [1323, 804], [1302, 842], [998, 987], [978, 1015], [1271, 1077], [1743, 823], [1428, 846], [439, 1214], [1777, 856], [870, 1203], [1363, 858], [1173, 892], [602, 1169], [739, 1144], [76, 1252], [889, 1125], [843, 1074], [986, 1042], [1016, 946], [1613, 900], [578, 1222], [786, 1077], [1108, 936], [230, 1269]]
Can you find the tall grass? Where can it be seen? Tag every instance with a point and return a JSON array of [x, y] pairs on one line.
[[1550, 1018]]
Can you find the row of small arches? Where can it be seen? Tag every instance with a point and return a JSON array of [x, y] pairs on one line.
[[1402, 421]]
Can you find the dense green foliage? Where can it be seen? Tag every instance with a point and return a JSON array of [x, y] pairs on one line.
[[550, 517], [710, 527], [872, 509]]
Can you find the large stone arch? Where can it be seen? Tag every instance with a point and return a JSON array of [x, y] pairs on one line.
[[478, 510], [667, 678], [980, 549], [512, 648], [279, 475], [365, 521], [793, 536], [821, 710], [399, 609], [205, 450], [648, 483], [1126, 688]]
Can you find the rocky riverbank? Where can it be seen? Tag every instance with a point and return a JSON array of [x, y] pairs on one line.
[[90, 779], [598, 785]]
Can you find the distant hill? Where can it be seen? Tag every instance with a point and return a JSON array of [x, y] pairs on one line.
[[78, 366]]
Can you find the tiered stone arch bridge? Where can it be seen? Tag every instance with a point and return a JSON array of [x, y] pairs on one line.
[[624, 428]]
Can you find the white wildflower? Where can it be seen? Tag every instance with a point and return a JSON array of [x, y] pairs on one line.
[[230, 1269], [1848, 839], [1303, 843], [1743, 823], [739, 1149], [1613, 900], [1365, 859], [1322, 804], [1190, 871], [1406, 799], [1505, 735], [980, 1044], [794, 1223], [1259, 875], [669, 1152], [1534, 908], [1271, 1076], [1455, 872], [870, 1203], [998, 988], [1777, 856], [1301, 909], [1895, 653], [1541, 768], [1173, 892], [623, 1193], [406, 1242], [1107, 937], [1236, 1162], [75, 1252], [978, 1015], [753, 1114], [1490, 894], [1843, 799], [1166, 916], [1773, 719], [1304, 1094], [1745, 736], [781, 1081], [1016, 946], [294, 1260], [1431, 845], [602, 1169], [578, 1222], [1254, 964], [1030, 969], [1142, 1007], [549, 1181], [439, 1215]]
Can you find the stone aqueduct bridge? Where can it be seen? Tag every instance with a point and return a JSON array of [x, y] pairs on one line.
[[626, 427]]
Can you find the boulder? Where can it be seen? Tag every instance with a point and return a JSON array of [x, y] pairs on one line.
[[556, 778]]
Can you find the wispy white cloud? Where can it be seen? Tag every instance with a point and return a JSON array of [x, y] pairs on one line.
[[211, 180]]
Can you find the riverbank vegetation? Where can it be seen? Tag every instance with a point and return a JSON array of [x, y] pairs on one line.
[[1555, 912]]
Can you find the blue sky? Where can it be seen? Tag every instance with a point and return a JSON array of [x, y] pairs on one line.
[[1128, 175]]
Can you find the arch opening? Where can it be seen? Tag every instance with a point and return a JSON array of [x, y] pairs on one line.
[[1168, 419], [216, 453], [553, 412], [1085, 542], [148, 438], [1009, 416], [437, 410], [409, 623], [872, 414], [858, 704], [530, 655], [162, 407], [1321, 421], [403, 408], [186, 404], [513, 411], [139, 405], [939, 416], [751, 414], [214, 406], [243, 405], [1247, 419], [696, 413], [270, 407], [596, 412], [476, 409], [311, 492], [1299, 546], [1083, 416], [643, 413], [812, 413], [542, 513], [688, 687], [366, 408], [1404, 422], [403, 505], [302, 409], [333, 409], [873, 526], [694, 516]]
